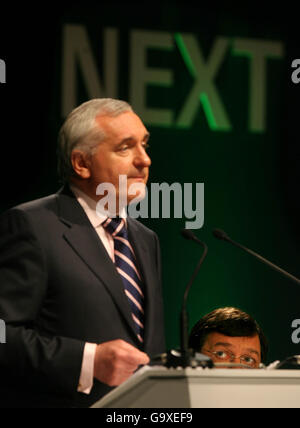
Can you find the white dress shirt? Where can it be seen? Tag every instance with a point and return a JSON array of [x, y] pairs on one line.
[[96, 218]]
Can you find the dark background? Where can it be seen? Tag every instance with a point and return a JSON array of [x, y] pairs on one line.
[[251, 179]]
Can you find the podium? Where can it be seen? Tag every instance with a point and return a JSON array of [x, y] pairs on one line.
[[161, 387]]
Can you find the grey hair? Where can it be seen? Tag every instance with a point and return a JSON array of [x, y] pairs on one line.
[[80, 131]]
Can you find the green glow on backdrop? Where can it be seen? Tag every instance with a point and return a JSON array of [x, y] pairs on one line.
[[190, 142]]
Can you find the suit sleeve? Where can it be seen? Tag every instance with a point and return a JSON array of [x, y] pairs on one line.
[[29, 356]]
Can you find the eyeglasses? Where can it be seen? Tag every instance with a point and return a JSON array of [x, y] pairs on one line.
[[226, 356]]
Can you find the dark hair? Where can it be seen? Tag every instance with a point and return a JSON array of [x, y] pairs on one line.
[[228, 321]]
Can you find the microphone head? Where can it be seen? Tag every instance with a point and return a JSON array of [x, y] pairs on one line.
[[188, 234], [220, 234]]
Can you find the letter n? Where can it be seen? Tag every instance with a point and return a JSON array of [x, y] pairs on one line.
[[77, 52]]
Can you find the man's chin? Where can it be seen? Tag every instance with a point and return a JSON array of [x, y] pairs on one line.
[[137, 197], [136, 192]]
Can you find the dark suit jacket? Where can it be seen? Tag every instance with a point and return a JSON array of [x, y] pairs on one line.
[[60, 289]]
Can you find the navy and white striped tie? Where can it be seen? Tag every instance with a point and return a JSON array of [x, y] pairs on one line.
[[125, 264]]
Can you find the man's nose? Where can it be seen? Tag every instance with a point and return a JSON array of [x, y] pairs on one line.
[[142, 159]]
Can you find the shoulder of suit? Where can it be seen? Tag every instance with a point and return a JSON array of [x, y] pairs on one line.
[[140, 226], [46, 202], [31, 217], [37, 208]]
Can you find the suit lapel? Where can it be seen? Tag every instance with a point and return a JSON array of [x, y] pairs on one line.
[[84, 240]]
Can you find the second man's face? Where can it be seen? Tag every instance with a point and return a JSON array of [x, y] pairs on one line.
[[226, 349]]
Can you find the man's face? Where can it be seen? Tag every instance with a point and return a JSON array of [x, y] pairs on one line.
[[122, 152], [221, 348]]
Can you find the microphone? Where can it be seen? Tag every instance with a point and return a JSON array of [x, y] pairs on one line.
[[188, 234], [294, 360], [220, 234], [186, 358]]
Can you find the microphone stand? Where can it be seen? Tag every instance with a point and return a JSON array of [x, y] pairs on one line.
[[220, 234], [186, 357], [186, 353]]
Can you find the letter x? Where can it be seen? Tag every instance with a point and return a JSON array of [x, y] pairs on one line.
[[204, 89]]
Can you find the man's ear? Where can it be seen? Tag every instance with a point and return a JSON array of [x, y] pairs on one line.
[[81, 164]]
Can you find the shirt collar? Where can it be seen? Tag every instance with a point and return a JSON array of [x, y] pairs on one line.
[[89, 206]]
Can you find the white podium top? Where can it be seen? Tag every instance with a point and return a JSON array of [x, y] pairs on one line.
[[160, 387]]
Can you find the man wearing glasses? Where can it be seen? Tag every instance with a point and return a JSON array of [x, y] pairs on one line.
[[231, 338]]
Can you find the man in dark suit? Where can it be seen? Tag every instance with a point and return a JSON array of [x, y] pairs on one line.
[[71, 325]]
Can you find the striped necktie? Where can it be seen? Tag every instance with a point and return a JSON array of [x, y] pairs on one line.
[[126, 266]]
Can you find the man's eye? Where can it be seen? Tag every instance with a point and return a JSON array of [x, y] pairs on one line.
[[123, 148], [248, 360], [222, 354], [146, 146]]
